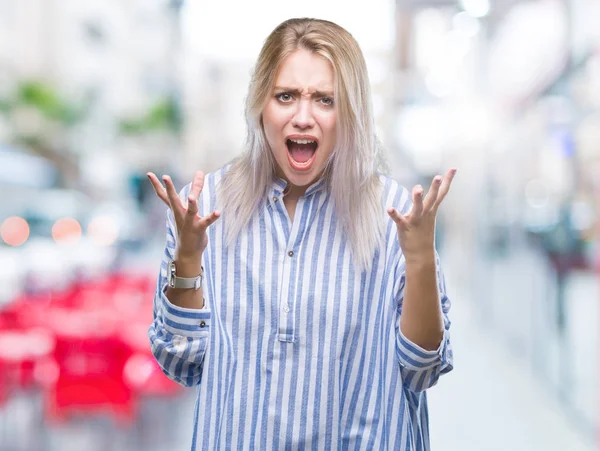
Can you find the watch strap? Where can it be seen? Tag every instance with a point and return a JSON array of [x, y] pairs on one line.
[[183, 282]]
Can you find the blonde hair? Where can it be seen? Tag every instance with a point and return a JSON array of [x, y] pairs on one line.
[[352, 171]]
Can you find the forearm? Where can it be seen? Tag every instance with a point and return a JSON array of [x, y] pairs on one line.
[[421, 320], [187, 298], [179, 340]]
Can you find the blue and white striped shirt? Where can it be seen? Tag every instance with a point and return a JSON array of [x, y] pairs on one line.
[[295, 349]]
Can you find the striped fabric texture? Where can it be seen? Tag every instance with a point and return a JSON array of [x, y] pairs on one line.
[[295, 348]]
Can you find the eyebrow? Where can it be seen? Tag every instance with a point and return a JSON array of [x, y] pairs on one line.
[[298, 93]]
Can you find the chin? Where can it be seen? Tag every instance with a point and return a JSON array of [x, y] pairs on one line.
[[302, 181]]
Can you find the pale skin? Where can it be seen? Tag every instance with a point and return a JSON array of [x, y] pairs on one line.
[[302, 103], [422, 320]]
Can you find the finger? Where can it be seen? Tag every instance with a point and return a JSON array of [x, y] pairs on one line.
[[174, 201], [432, 194], [397, 217], [192, 206], [194, 194], [159, 189], [417, 197], [445, 187], [210, 219], [197, 185]]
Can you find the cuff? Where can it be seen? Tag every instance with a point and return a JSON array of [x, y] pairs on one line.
[[414, 357], [186, 322]]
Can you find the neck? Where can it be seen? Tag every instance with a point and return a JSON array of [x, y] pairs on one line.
[[290, 198], [293, 192]]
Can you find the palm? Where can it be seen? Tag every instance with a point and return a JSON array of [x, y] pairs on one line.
[[416, 229], [191, 227]]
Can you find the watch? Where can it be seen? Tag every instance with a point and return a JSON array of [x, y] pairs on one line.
[[183, 282]]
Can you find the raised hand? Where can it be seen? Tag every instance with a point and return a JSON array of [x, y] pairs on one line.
[[191, 227], [416, 230]]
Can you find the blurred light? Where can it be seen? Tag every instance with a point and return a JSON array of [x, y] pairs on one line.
[[471, 123], [66, 230], [458, 46], [466, 24], [566, 142], [438, 85], [528, 51], [103, 230], [537, 193], [202, 21], [582, 215], [422, 131], [23, 169], [476, 8], [430, 38], [138, 370], [14, 231]]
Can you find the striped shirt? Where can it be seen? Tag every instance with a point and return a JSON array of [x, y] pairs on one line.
[[295, 348]]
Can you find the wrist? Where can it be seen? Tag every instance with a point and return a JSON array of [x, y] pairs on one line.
[[188, 265], [421, 259]]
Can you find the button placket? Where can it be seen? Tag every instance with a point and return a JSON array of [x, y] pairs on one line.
[[289, 280]]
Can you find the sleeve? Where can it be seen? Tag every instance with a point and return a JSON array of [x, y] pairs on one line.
[[422, 368], [178, 336]]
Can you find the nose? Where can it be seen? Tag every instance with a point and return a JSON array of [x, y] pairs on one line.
[[303, 117]]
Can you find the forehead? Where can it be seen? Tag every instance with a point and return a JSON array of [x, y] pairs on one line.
[[306, 71]]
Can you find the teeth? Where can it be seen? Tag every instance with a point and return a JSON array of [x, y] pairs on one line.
[[302, 141]]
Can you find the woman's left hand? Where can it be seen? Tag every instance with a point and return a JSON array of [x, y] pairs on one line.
[[416, 230]]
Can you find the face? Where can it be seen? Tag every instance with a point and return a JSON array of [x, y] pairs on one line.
[[300, 118]]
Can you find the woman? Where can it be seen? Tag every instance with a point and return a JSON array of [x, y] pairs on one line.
[[307, 316]]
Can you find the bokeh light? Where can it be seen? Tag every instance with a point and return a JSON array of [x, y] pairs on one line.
[[14, 231], [103, 230], [66, 230]]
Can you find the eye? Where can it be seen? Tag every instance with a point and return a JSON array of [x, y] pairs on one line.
[[327, 101], [284, 97]]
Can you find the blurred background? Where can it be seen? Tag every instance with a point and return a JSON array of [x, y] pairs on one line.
[[94, 94]]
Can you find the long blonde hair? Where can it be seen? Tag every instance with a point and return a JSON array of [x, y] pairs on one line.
[[352, 172]]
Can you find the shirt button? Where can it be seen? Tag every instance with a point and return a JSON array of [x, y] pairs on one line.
[[286, 309], [202, 324], [291, 253], [275, 199]]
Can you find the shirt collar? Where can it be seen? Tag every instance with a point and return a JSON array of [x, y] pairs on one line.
[[278, 187]]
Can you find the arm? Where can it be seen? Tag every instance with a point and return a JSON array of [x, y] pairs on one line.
[[421, 320], [178, 335], [180, 331], [423, 346], [422, 317]]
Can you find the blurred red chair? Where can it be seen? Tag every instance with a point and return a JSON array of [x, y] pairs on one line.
[[21, 351], [90, 359]]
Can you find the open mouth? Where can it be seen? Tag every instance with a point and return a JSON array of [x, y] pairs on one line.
[[301, 151]]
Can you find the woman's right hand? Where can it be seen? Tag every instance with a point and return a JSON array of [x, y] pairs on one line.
[[192, 238]]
